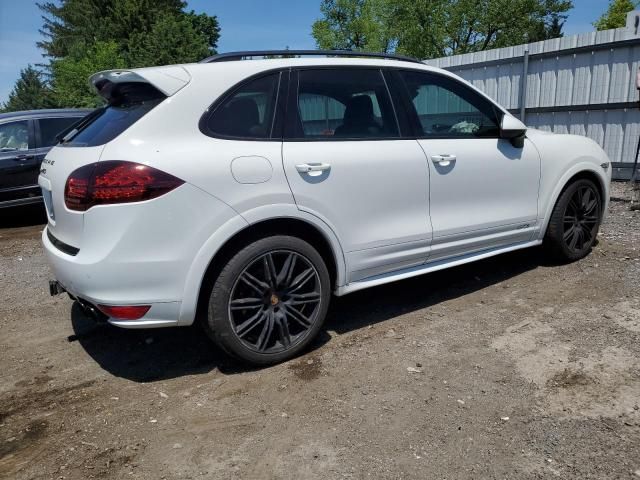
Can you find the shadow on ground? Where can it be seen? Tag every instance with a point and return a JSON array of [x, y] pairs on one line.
[[26, 216], [159, 354]]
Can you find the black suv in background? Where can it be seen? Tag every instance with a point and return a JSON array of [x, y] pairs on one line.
[[25, 139]]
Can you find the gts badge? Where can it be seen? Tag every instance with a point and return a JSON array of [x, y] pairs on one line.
[[51, 163]]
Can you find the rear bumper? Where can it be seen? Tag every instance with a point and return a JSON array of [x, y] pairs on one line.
[[137, 253], [77, 280]]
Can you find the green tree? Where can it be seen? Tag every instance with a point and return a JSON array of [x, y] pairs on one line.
[[616, 15], [428, 28], [172, 40], [83, 22], [29, 93], [70, 75], [355, 25], [82, 37]]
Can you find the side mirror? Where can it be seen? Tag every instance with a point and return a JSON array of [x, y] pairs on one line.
[[514, 130]]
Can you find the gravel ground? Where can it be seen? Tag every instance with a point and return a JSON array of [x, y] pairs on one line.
[[507, 368]]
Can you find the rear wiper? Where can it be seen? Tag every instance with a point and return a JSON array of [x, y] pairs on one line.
[[71, 131]]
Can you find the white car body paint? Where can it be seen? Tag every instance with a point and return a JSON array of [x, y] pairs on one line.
[[385, 208]]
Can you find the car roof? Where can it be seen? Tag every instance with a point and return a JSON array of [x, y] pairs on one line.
[[44, 113], [268, 63], [255, 66]]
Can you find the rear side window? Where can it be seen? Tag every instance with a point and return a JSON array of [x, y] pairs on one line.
[[344, 104], [51, 127], [128, 103], [248, 113], [14, 136]]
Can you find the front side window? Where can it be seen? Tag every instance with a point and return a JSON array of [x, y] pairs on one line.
[[449, 109], [51, 127], [344, 104], [14, 136], [248, 112]]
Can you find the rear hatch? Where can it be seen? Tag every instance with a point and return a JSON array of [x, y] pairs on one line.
[[129, 95]]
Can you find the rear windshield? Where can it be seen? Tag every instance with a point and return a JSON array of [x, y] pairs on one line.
[[128, 102]]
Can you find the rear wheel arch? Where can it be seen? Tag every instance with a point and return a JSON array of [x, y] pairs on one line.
[[277, 226]]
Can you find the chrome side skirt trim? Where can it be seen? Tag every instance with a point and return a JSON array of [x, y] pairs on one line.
[[430, 267]]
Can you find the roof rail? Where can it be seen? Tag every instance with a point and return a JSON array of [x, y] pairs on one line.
[[231, 56]]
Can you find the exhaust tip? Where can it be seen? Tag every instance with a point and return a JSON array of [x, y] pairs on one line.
[[55, 288]]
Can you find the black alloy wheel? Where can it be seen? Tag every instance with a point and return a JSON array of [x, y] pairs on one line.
[[581, 219], [269, 300], [575, 221], [275, 301]]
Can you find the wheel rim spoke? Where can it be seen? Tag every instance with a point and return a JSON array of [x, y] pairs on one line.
[[591, 206], [251, 323], [302, 298], [275, 301], [574, 239], [298, 317], [287, 270], [242, 303], [586, 197], [300, 280], [263, 339], [257, 285], [569, 233], [270, 270], [283, 330]]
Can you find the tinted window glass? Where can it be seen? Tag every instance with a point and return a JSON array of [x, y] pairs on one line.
[[51, 127], [129, 102], [14, 136], [447, 108], [346, 103], [248, 112]]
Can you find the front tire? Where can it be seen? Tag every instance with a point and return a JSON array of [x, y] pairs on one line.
[[269, 301], [575, 221]]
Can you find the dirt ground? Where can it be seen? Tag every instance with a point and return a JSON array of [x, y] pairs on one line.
[[507, 368]]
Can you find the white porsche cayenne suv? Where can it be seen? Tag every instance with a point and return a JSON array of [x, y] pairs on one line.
[[243, 193]]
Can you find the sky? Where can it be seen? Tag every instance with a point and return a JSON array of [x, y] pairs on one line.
[[246, 25]]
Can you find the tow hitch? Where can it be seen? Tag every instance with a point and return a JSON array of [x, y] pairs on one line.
[[55, 288]]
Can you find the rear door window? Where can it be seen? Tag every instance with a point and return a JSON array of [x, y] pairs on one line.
[[14, 136], [342, 104], [129, 103], [51, 127]]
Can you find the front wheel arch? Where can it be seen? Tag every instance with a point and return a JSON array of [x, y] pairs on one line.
[[579, 175]]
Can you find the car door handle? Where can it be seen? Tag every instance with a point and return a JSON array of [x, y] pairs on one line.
[[444, 159], [22, 158], [312, 167]]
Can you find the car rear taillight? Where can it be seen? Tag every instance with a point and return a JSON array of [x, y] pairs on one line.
[[124, 312], [115, 181]]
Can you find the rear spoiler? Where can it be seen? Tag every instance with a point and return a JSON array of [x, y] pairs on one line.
[[168, 80]]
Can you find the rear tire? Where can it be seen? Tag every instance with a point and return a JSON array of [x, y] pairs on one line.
[[269, 301], [575, 221]]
